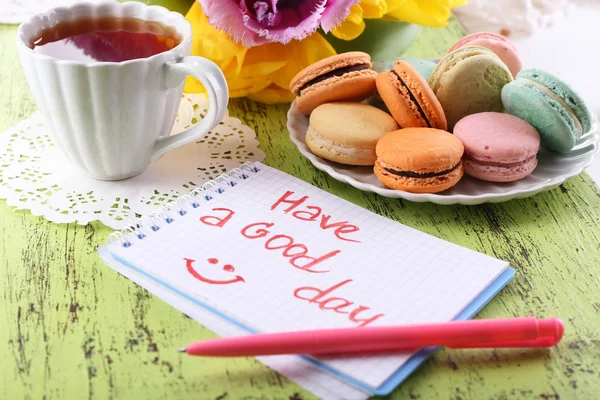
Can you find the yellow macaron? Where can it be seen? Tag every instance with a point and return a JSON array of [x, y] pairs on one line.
[[347, 133]]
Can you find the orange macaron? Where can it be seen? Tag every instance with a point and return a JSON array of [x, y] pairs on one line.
[[409, 98], [343, 77], [419, 160]]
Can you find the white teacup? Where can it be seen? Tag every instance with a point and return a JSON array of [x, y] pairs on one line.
[[112, 119]]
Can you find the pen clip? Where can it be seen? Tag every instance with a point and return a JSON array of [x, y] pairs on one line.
[[550, 332], [546, 341]]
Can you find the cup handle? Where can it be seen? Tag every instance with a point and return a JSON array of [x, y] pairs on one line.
[[215, 84]]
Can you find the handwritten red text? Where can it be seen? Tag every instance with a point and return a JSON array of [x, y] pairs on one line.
[[310, 213], [337, 304], [297, 253], [219, 222]]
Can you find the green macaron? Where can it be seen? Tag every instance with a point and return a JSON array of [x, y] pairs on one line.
[[550, 105], [469, 81]]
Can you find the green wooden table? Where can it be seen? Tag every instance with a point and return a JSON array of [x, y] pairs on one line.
[[70, 327]]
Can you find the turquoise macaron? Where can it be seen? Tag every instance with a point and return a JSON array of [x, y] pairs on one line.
[[550, 105]]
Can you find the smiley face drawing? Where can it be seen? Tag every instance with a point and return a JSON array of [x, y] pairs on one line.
[[229, 268]]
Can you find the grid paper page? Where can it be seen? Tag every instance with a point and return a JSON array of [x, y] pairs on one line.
[[274, 253], [294, 368]]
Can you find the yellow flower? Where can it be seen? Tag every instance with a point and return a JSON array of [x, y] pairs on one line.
[[422, 12], [261, 73]]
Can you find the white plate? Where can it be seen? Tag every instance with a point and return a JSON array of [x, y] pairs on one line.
[[552, 170]]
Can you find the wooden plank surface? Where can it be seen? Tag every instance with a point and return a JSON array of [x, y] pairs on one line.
[[73, 328]]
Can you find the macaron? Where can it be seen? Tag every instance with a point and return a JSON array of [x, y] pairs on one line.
[[409, 98], [347, 133], [343, 77], [419, 160], [469, 81], [550, 105], [498, 147], [424, 66], [498, 44]]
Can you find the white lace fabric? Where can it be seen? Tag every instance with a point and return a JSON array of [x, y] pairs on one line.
[[513, 17], [35, 176], [17, 11]]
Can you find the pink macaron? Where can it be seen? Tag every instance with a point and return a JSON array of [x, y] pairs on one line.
[[498, 44], [498, 147]]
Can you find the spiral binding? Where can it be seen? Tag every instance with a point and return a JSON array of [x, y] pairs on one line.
[[179, 208]]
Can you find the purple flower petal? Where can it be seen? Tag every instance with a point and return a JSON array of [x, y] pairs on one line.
[[226, 15], [265, 12], [254, 22], [336, 12]]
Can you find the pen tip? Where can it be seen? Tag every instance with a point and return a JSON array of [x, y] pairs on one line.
[[182, 350]]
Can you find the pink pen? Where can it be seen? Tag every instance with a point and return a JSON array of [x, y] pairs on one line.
[[514, 332]]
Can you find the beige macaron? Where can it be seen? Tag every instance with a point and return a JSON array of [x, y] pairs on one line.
[[347, 133]]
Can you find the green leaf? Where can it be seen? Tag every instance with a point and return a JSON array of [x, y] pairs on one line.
[[382, 39]]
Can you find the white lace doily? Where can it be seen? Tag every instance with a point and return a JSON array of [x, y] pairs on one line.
[[17, 11], [35, 176]]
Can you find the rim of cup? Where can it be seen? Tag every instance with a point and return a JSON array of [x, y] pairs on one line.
[[31, 28]]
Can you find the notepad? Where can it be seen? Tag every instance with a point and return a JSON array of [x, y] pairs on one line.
[[262, 251]]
